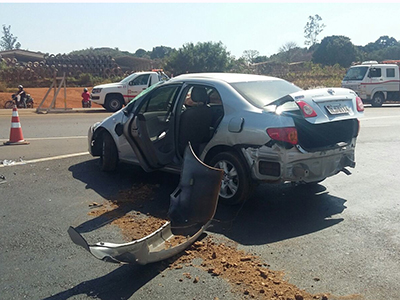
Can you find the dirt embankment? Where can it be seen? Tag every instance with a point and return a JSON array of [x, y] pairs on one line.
[[72, 96]]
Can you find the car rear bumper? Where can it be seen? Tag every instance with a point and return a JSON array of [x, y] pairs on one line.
[[297, 165]]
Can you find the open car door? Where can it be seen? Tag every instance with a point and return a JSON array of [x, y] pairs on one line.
[[150, 130]]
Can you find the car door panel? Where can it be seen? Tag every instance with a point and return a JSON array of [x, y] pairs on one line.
[[151, 130]]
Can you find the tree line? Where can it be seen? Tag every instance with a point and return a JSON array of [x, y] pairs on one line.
[[214, 56]]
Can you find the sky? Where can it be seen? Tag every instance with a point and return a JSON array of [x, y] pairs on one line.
[[263, 26]]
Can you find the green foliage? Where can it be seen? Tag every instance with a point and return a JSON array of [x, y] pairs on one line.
[[240, 66], [102, 51], [335, 50], [384, 48], [381, 43], [292, 53], [8, 40], [306, 75], [142, 53], [85, 79], [312, 29], [202, 57], [250, 56], [161, 52], [3, 87]]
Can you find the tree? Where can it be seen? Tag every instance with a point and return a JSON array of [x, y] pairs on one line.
[[8, 40], [287, 51], [142, 53], [381, 43], [202, 57], [160, 52], [335, 50], [312, 29], [250, 56]]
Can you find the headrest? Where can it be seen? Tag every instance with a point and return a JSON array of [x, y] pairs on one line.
[[199, 94]]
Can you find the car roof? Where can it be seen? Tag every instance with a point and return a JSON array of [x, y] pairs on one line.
[[227, 77]]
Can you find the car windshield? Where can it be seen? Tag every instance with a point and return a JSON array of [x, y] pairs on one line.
[[262, 93], [356, 73]]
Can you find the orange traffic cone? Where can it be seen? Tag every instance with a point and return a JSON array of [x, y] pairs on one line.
[[16, 137]]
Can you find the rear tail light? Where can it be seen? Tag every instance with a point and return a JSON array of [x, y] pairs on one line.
[[284, 134], [360, 104], [306, 109]]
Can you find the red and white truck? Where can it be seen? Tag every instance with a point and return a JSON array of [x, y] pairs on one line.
[[374, 82], [112, 96]]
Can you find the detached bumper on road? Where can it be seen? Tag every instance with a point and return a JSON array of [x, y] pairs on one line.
[[193, 205]]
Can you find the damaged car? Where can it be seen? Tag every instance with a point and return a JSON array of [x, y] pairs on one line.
[[255, 128]]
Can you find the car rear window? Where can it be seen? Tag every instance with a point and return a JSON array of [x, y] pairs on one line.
[[262, 93]]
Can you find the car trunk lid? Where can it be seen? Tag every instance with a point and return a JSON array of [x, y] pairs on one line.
[[324, 118]]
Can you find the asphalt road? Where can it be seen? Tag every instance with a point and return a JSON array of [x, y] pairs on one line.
[[342, 237]]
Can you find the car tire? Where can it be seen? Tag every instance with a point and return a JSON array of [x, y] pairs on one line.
[[235, 185], [377, 100], [113, 103], [109, 154]]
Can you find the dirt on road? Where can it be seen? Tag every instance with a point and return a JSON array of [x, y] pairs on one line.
[[247, 273], [72, 96]]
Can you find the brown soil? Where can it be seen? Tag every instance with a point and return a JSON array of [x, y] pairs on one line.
[[247, 274], [73, 97]]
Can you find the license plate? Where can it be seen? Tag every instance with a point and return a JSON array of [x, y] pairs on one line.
[[338, 109]]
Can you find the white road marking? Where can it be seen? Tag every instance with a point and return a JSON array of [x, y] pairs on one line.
[[53, 138], [377, 118], [32, 161]]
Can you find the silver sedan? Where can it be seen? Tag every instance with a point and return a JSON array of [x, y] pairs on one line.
[[256, 128]]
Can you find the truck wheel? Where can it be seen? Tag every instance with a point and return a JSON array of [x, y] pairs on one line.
[[113, 103], [235, 185], [109, 154], [378, 100]]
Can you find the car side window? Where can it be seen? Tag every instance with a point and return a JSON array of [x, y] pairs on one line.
[[389, 72], [140, 80], [212, 97], [375, 72], [161, 100]]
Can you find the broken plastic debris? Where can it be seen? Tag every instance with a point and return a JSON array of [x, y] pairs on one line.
[[192, 208], [8, 162]]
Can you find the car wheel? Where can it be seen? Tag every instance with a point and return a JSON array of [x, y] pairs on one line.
[[113, 103], [378, 100], [235, 185], [109, 154]]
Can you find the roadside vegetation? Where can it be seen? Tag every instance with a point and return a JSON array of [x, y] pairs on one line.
[[320, 63]]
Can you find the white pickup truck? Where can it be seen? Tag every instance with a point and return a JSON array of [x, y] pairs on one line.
[[112, 96], [374, 82]]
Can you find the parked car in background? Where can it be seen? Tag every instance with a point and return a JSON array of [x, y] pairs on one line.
[[256, 128], [112, 96]]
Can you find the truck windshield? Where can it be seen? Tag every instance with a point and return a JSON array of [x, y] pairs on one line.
[[356, 73]]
